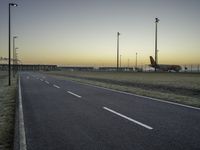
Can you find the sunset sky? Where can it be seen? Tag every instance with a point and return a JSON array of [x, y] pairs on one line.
[[84, 32]]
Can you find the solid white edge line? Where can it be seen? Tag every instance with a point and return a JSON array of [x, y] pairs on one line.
[[22, 135], [128, 118], [56, 86], [146, 97], [74, 94]]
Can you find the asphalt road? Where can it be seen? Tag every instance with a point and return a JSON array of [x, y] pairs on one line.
[[65, 115]]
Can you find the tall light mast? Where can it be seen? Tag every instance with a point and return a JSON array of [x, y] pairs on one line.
[[118, 34], [156, 49]]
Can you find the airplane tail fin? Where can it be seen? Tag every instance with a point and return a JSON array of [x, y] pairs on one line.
[[153, 63]]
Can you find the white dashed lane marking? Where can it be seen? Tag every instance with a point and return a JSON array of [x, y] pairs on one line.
[[46, 82], [74, 94], [56, 86], [128, 118]]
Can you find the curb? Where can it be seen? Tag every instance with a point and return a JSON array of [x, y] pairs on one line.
[[16, 127], [20, 138]]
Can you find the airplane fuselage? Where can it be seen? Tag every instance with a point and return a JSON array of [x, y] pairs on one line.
[[164, 67]]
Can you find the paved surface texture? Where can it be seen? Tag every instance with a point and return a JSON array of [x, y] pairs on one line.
[[64, 115]]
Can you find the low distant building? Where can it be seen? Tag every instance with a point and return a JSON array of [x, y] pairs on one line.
[[29, 67], [71, 68], [115, 69]]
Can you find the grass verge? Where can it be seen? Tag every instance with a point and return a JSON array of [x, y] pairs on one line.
[[176, 87], [7, 111]]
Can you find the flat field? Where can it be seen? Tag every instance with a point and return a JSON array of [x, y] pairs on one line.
[[177, 87], [7, 109]]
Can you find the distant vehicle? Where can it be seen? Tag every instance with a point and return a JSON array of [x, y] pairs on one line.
[[163, 67]]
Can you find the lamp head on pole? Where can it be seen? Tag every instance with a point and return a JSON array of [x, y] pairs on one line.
[[13, 4], [157, 20]]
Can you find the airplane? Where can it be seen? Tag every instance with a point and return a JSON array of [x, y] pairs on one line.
[[163, 67]]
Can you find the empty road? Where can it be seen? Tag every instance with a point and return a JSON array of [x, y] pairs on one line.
[[65, 115]]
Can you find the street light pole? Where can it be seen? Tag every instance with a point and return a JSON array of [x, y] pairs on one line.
[[14, 57], [128, 63], [9, 67], [118, 34], [136, 61], [156, 50], [120, 61]]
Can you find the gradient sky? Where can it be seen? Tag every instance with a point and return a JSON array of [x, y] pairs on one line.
[[83, 32]]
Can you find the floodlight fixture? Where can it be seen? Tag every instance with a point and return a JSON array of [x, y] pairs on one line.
[[157, 20], [13, 4]]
